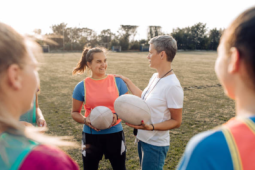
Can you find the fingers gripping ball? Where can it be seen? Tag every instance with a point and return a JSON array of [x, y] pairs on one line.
[[132, 109], [101, 117]]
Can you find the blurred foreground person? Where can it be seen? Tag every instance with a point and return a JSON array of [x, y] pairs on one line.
[[19, 146], [232, 145]]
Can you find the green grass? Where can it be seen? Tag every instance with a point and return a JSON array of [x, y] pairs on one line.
[[205, 105]]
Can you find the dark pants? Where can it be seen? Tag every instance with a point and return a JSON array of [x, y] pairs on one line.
[[104, 144]]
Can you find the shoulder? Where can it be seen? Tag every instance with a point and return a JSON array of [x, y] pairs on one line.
[[80, 84], [48, 157], [172, 83], [172, 80], [204, 150], [121, 85], [118, 80], [154, 75], [200, 142]]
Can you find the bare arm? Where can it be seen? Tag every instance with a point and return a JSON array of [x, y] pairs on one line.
[[174, 122], [132, 87], [76, 111], [39, 116]]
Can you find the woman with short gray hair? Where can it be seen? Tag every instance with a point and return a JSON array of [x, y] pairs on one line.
[[164, 95]]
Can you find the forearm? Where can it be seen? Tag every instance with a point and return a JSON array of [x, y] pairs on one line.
[[78, 117], [167, 125], [133, 88], [26, 123], [39, 114]]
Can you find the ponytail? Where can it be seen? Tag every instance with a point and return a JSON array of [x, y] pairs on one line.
[[82, 64], [87, 56]]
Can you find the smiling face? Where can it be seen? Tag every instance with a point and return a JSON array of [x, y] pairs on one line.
[[98, 65], [153, 57]]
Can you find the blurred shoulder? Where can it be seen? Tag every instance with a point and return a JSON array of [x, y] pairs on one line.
[[48, 157], [204, 150], [118, 79], [79, 85], [202, 140]]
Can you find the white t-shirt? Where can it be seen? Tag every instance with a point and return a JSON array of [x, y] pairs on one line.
[[168, 93]]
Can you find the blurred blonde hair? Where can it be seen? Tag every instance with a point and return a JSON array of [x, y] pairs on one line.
[[13, 49]]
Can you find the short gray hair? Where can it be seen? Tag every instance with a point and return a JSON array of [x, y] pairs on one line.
[[165, 43]]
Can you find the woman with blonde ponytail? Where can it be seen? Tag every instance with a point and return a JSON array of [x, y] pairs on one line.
[[21, 147], [99, 89]]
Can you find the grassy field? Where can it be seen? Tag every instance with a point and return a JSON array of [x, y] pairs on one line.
[[205, 105]]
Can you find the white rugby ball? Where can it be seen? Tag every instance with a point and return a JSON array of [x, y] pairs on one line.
[[101, 117], [132, 109]]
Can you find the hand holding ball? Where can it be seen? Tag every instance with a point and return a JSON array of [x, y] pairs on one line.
[[132, 109], [101, 117]]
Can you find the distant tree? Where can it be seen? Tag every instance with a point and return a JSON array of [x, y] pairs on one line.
[[178, 35], [198, 32], [204, 43], [214, 38], [105, 38], [154, 31], [60, 29], [88, 37], [183, 37], [126, 33], [129, 31], [134, 45], [144, 42]]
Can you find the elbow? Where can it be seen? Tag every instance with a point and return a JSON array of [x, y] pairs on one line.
[[178, 124], [73, 114]]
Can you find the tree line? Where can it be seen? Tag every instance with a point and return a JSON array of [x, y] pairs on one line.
[[196, 37]]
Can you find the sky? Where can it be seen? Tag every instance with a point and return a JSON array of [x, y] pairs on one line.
[[27, 15]]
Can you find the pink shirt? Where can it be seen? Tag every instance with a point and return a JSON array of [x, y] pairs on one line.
[[44, 157]]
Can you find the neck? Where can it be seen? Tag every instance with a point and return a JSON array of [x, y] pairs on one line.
[[94, 76], [163, 69], [6, 112], [245, 102], [11, 108]]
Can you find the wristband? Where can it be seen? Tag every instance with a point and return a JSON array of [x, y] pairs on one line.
[[152, 127], [117, 116]]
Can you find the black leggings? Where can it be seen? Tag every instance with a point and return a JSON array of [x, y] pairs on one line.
[[104, 144]]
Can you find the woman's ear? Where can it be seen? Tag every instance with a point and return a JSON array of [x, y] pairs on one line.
[[14, 76], [234, 60], [163, 55]]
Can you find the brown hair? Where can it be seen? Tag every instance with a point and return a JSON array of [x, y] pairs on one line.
[[165, 43], [241, 35], [87, 56]]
